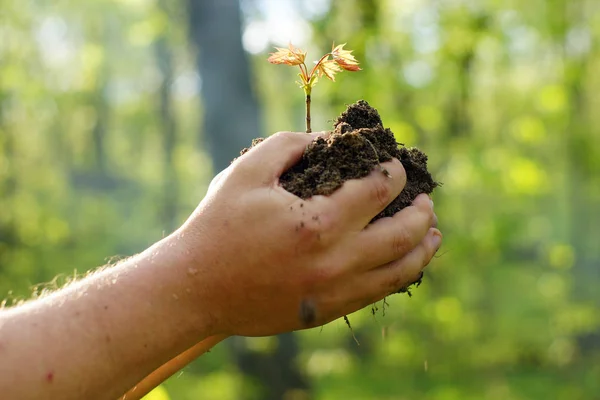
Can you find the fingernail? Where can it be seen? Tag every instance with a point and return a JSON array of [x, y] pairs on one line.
[[436, 241], [418, 198]]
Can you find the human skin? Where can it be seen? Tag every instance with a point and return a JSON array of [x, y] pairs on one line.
[[251, 260]]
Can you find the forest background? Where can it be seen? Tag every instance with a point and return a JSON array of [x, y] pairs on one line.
[[116, 114]]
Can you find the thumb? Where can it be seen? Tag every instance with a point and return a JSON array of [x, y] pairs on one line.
[[277, 153]]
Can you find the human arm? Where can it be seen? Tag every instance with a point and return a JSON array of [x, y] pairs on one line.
[[99, 336], [252, 260]]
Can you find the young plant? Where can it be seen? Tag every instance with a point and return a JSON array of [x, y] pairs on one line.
[[328, 65]]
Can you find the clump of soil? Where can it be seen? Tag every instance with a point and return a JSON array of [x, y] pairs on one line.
[[358, 144]]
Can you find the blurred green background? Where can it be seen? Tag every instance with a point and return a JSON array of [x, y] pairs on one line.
[[115, 114]]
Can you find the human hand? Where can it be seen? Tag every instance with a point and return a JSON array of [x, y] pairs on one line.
[[269, 262]]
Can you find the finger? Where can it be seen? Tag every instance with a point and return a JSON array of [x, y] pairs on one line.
[[279, 152], [359, 200], [389, 239], [392, 277], [401, 273], [363, 289]]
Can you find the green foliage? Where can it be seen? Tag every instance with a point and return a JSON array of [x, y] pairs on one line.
[[500, 95]]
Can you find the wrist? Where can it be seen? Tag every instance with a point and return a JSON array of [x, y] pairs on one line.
[[159, 305], [182, 287], [176, 293]]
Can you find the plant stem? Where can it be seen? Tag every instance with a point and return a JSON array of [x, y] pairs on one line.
[[308, 128], [316, 66], [308, 81]]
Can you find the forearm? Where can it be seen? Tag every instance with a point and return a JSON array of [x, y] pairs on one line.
[[100, 336]]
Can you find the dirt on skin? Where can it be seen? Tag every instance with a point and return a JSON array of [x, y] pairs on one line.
[[358, 144]]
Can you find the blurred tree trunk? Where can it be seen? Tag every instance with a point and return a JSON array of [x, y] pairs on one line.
[[577, 141], [582, 221], [457, 113], [231, 121], [97, 176], [8, 183], [230, 109], [100, 104]]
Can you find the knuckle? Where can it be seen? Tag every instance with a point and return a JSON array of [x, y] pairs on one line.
[[311, 229], [381, 192], [283, 136], [323, 216], [401, 242], [395, 282], [316, 229], [324, 222]]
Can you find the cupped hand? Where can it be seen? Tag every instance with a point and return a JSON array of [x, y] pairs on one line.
[[269, 262]]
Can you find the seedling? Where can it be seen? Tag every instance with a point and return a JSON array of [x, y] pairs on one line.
[[346, 155], [328, 65]]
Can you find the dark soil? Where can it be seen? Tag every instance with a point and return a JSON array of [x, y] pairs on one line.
[[358, 144]]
